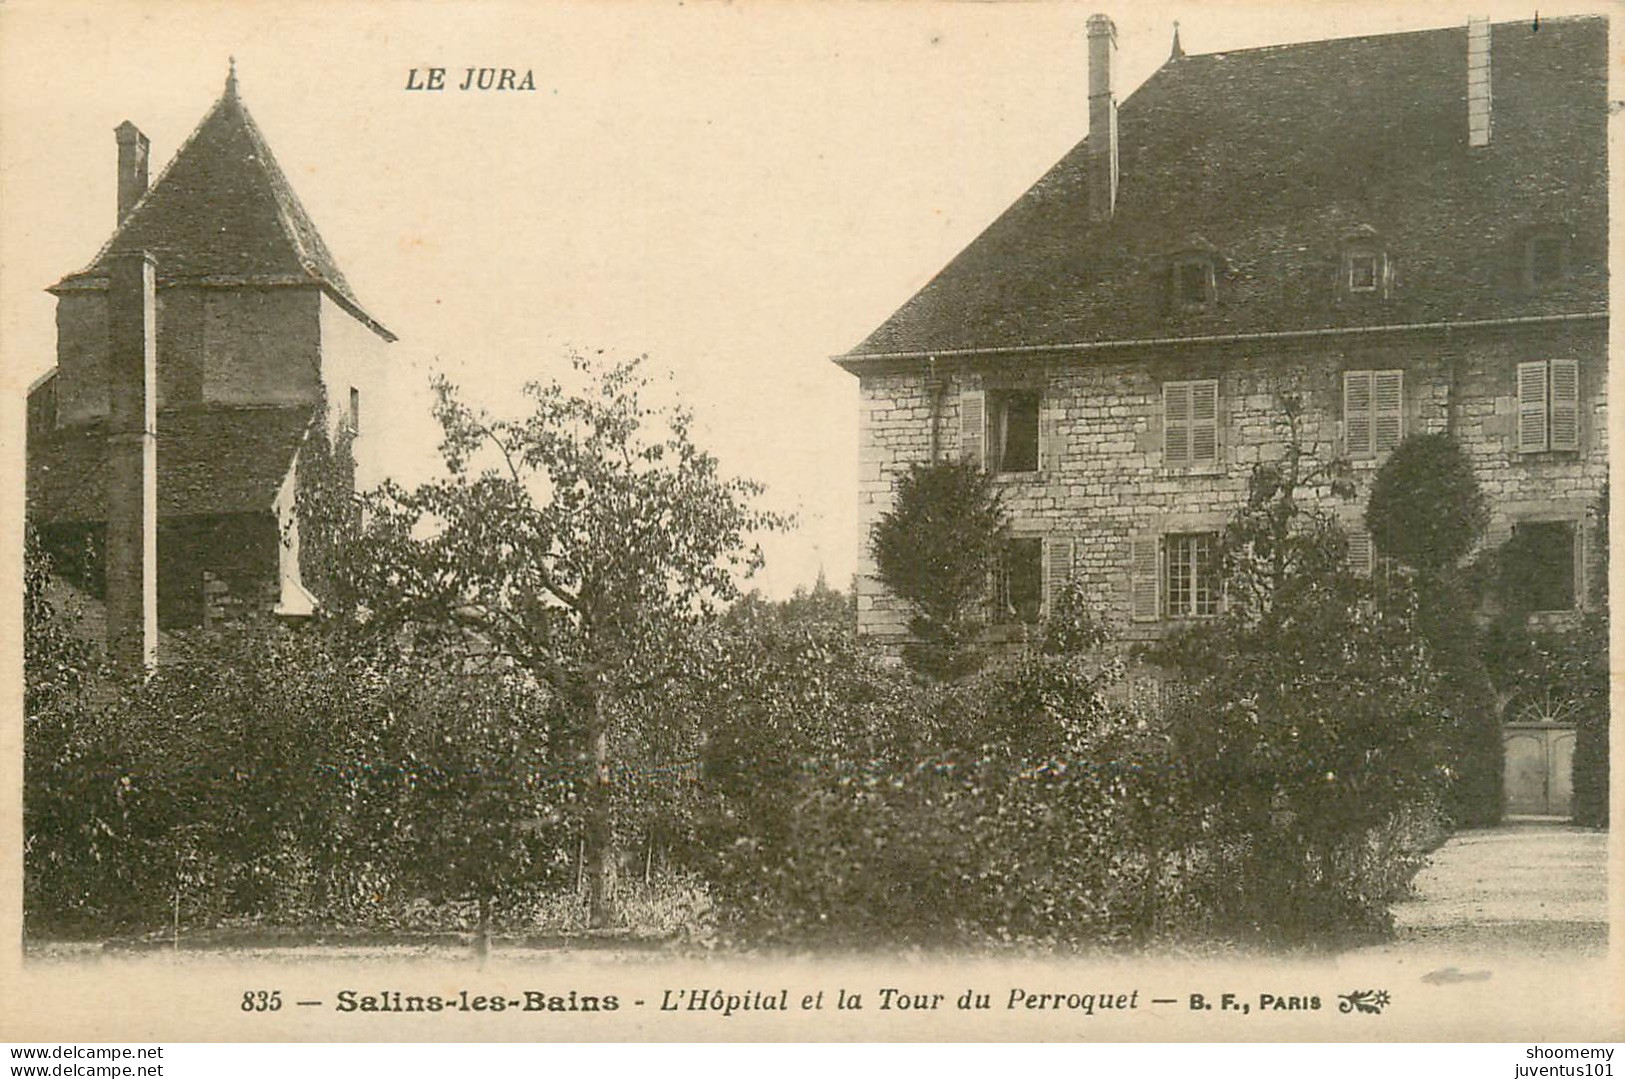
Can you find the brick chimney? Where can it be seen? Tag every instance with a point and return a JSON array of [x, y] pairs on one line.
[[1102, 118], [1479, 115], [132, 464], [132, 167]]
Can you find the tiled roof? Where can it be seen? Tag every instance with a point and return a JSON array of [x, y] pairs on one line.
[[1270, 158], [210, 461], [222, 211]]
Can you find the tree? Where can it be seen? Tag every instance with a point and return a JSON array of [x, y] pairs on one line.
[[1312, 724], [1427, 512], [937, 549], [1426, 509], [573, 542]]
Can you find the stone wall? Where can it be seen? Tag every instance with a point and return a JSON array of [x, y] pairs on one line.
[[1104, 479], [236, 346]]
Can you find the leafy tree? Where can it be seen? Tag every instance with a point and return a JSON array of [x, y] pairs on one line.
[[1426, 508], [575, 542], [462, 797], [937, 548], [1426, 512], [59, 663], [1310, 725]]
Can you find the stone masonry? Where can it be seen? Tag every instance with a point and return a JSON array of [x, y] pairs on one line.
[[1103, 480]]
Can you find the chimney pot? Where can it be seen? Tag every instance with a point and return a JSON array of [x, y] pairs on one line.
[[132, 167], [1102, 118]]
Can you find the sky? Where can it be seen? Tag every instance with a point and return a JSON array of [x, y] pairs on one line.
[[739, 190]]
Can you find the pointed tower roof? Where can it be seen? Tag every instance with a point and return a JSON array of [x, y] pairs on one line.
[[222, 212]]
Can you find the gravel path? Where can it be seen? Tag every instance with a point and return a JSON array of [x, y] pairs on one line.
[[1532, 889]]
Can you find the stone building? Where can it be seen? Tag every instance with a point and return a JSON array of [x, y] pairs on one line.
[[1405, 232], [196, 355]]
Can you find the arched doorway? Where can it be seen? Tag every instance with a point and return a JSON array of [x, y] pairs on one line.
[[1538, 758]]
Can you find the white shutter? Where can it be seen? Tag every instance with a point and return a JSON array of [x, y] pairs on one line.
[[1176, 423], [1388, 410], [973, 427], [1564, 390], [1051, 446], [1145, 579], [1532, 407], [1360, 553], [1357, 413], [1204, 422], [1057, 570]]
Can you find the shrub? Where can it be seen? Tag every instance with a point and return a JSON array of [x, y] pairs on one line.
[[1426, 509], [937, 548]]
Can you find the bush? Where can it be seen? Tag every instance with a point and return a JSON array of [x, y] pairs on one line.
[[260, 775], [1312, 723], [1426, 509], [937, 548]]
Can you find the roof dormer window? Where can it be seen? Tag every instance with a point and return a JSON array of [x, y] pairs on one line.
[[1545, 258], [1364, 268], [1363, 273], [1193, 283]]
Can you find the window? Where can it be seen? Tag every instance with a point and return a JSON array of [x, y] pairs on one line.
[[1545, 259], [1373, 411], [1190, 573], [1190, 422], [1012, 430], [355, 410], [1193, 283], [1548, 406], [1543, 561], [1174, 576], [1018, 582], [1363, 272], [1366, 268], [1008, 430]]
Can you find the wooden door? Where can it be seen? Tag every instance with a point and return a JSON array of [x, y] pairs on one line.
[[1538, 775]]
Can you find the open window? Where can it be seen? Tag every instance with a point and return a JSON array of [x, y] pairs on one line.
[[1018, 582], [1541, 566], [1013, 418], [1009, 430]]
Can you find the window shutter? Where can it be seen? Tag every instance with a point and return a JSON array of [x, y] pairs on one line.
[[1565, 404], [1360, 553], [1051, 446], [1532, 407], [1388, 410], [973, 427], [1145, 579], [1581, 596], [1057, 570], [1176, 423], [1204, 422], [1357, 413]]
